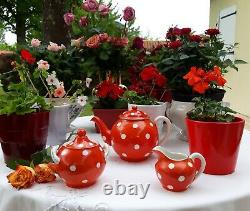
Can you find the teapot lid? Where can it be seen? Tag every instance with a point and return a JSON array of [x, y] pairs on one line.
[[134, 114], [81, 141]]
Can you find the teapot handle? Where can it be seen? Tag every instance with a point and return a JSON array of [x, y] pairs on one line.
[[203, 162], [168, 126], [53, 152]]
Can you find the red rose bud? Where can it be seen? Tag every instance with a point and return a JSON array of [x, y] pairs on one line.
[[212, 32], [138, 43], [68, 18], [103, 9], [175, 44], [83, 21], [90, 5], [195, 38], [129, 14], [186, 31]]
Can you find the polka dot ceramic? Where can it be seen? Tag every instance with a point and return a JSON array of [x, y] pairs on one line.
[[134, 135], [177, 171], [80, 162]]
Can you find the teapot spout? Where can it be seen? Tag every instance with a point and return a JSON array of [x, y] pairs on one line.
[[106, 133]]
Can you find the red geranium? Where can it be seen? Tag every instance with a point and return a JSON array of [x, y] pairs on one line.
[[148, 73], [212, 32], [175, 44], [160, 80], [108, 89], [27, 56]]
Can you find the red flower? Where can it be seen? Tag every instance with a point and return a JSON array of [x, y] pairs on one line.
[[176, 31], [119, 41], [186, 31], [103, 37], [160, 80], [93, 42], [149, 73], [138, 43], [175, 44], [216, 76], [108, 89], [27, 56], [195, 38], [197, 78], [212, 32]]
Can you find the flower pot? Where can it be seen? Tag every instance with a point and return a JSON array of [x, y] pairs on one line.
[[218, 142], [153, 111], [62, 114], [23, 135], [109, 116]]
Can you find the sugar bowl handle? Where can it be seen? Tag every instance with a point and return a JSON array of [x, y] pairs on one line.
[[203, 162]]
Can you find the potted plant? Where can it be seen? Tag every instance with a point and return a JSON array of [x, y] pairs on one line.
[[141, 93], [216, 133], [24, 116], [182, 57], [108, 103]]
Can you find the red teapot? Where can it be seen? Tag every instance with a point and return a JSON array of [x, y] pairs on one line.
[[134, 135], [177, 171], [79, 162]]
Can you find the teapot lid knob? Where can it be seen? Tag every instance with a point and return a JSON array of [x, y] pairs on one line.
[[134, 107], [81, 133]]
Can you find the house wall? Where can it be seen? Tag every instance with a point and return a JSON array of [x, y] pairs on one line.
[[239, 82]]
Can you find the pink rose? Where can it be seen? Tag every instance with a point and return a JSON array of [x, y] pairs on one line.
[[129, 14], [120, 41], [103, 37], [68, 18], [54, 47], [43, 65], [103, 9], [35, 43], [83, 21], [90, 5]]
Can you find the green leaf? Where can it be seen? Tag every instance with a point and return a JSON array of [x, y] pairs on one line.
[[239, 61]]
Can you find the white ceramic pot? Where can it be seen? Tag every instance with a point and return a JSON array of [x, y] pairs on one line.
[[61, 115], [177, 114], [153, 111]]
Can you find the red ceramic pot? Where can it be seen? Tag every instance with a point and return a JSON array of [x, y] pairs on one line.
[[23, 135], [109, 116], [218, 142]]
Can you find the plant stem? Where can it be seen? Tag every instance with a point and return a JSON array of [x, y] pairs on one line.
[[163, 94], [48, 92], [152, 89], [69, 90], [33, 86]]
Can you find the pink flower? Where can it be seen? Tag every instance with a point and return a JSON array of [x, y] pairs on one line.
[[68, 18], [54, 47], [138, 43], [120, 41], [103, 37], [59, 91], [129, 14], [43, 65], [35, 43], [90, 5], [103, 9], [83, 21]]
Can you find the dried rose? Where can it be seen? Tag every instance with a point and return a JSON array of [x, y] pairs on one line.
[[103, 9], [129, 14], [103, 37], [68, 18], [137, 43], [44, 174], [90, 5], [22, 177], [83, 21]]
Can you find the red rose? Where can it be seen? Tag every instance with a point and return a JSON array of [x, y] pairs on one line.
[[83, 21], [176, 31], [186, 31], [119, 41], [212, 32], [27, 56], [149, 73], [195, 38], [93, 42], [138, 43], [129, 14], [160, 80], [90, 5], [175, 44], [103, 37]]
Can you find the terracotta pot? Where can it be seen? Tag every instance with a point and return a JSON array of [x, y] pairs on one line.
[[218, 142], [23, 135], [109, 116]]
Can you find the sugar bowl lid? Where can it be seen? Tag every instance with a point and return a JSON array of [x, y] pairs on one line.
[[134, 114], [81, 141]]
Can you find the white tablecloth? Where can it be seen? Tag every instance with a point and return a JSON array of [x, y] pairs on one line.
[[208, 193]]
